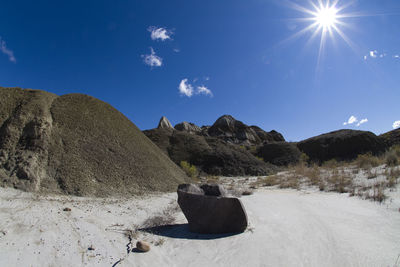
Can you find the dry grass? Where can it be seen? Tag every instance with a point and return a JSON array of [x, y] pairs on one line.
[[367, 161]]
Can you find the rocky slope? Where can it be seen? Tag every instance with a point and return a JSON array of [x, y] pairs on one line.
[[77, 144], [211, 154]]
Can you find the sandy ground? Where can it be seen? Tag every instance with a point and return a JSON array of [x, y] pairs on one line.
[[287, 228]]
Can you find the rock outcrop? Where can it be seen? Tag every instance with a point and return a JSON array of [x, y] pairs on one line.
[[77, 144], [188, 127], [164, 123], [210, 212], [341, 145], [233, 131]]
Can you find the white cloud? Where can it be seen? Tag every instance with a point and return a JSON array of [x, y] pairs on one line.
[[396, 124], [365, 57], [204, 90], [351, 120], [8, 52], [159, 33], [362, 122], [177, 50], [185, 88], [373, 53], [152, 60], [396, 56]]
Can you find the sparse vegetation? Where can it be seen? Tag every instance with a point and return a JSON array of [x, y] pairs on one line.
[[189, 169], [367, 161], [391, 159], [341, 176]]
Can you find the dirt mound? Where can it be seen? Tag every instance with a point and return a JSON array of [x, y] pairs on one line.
[[77, 144]]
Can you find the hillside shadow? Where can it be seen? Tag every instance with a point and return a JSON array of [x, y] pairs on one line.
[[181, 231]]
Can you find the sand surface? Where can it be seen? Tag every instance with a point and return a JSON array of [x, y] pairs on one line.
[[287, 228]]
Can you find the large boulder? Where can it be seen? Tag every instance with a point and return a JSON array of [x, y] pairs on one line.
[[77, 144], [279, 153], [341, 145], [208, 211]]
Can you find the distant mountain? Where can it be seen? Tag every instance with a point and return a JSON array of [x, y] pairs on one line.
[[77, 144]]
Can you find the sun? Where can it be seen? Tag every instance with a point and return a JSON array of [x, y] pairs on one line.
[[326, 17]]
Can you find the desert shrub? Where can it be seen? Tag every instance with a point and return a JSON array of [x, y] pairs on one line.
[[392, 177], [396, 150], [190, 170], [366, 161], [391, 159], [330, 164], [340, 182], [290, 181], [304, 158], [378, 193]]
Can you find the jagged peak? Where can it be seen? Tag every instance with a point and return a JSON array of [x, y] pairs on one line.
[[164, 123]]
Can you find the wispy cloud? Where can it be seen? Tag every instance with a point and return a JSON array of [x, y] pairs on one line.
[[185, 88], [396, 124], [351, 120], [396, 56], [204, 90], [362, 122], [152, 60], [159, 33], [8, 52], [188, 89]]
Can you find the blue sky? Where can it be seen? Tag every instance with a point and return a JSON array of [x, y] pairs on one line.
[[197, 60]]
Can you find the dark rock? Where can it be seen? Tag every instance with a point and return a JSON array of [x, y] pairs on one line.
[[188, 127], [214, 190], [211, 214], [279, 153], [67, 209], [341, 145], [164, 123]]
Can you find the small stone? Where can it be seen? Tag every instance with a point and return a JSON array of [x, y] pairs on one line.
[[91, 248], [66, 209], [143, 246]]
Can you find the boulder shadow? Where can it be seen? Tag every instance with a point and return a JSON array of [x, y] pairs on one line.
[[181, 231]]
